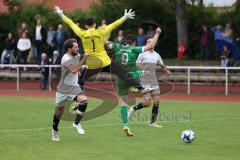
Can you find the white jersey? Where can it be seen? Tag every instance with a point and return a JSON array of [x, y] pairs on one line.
[[69, 81], [150, 57], [148, 61]]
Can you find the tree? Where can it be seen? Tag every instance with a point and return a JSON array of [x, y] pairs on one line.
[[237, 5], [201, 3], [192, 2], [181, 18]]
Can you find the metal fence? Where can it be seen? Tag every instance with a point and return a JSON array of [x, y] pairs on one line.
[[188, 69], [194, 68]]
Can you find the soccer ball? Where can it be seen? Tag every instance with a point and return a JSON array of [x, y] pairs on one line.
[[188, 136]]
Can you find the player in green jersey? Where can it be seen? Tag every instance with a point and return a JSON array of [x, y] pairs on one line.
[[126, 56]]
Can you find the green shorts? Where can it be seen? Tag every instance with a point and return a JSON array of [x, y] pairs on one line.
[[122, 87]]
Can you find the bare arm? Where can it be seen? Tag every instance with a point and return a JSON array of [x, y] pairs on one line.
[[139, 64], [154, 41], [77, 68], [164, 68]]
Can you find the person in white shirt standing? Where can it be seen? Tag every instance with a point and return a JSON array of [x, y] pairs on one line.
[[148, 61], [24, 46], [39, 37]]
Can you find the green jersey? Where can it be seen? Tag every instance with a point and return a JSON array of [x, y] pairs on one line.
[[126, 56]]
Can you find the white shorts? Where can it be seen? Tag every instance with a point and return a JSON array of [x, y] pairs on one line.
[[61, 99], [154, 93]]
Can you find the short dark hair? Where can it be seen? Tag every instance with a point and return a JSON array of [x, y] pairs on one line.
[[69, 43], [90, 21], [130, 39]]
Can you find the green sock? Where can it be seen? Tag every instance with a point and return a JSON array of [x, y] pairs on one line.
[[123, 114]]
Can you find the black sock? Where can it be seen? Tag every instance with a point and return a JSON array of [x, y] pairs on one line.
[[78, 118], [139, 106], [154, 113], [56, 120], [140, 88]]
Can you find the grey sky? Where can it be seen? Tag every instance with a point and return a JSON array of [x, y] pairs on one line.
[[219, 3]]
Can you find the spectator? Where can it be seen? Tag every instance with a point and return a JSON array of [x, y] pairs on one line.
[[79, 41], [44, 72], [120, 37], [103, 25], [150, 31], [8, 51], [204, 42], [50, 36], [39, 37], [218, 38], [55, 60], [181, 49], [228, 33], [24, 28], [237, 39], [59, 37], [226, 55], [141, 39], [24, 46]]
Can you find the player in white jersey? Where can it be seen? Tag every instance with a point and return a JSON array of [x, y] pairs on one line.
[[68, 87], [148, 61]]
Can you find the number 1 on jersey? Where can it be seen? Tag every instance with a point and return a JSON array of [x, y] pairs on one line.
[[93, 43]]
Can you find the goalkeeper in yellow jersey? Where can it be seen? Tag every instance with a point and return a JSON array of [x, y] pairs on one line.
[[93, 43], [93, 39]]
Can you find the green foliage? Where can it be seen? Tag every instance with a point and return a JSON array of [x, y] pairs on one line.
[[232, 17], [78, 17], [100, 12], [159, 13]]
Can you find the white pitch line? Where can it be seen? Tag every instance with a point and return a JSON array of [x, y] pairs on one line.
[[112, 124], [48, 128], [27, 129]]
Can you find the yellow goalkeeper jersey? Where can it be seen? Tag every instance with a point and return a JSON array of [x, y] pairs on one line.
[[93, 42]]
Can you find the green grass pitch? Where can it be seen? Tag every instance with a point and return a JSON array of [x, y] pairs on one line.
[[25, 133]]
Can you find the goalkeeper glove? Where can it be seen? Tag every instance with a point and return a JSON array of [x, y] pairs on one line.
[[58, 11], [128, 14]]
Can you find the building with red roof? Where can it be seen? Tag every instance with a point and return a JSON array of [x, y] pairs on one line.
[[63, 4]]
